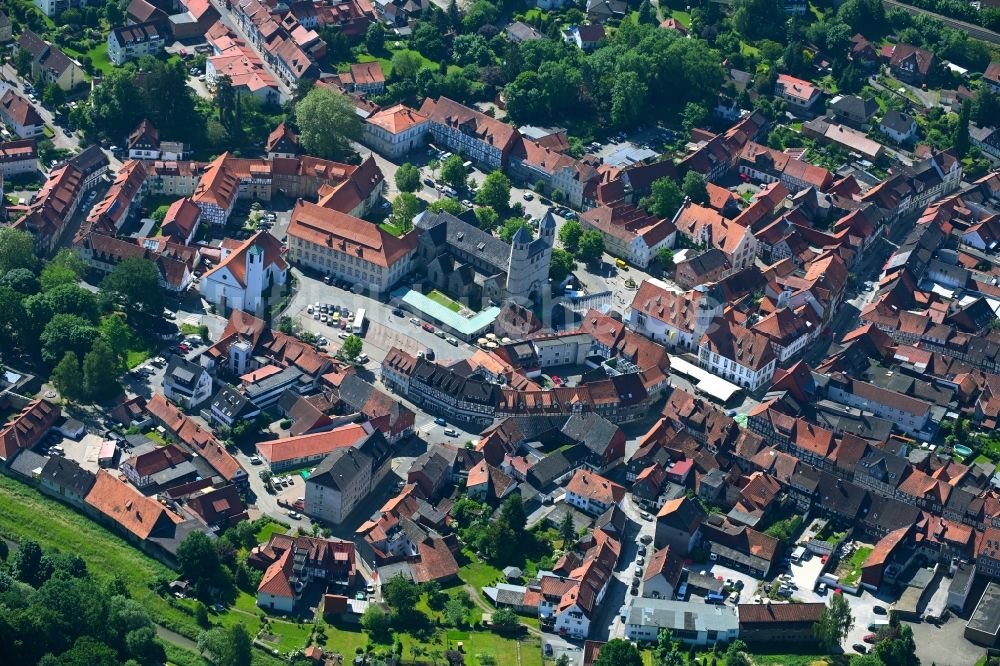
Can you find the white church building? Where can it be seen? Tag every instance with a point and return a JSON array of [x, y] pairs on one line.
[[247, 273]]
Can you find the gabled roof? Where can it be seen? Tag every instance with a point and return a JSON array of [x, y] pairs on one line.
[[142, 516], [235, 262]]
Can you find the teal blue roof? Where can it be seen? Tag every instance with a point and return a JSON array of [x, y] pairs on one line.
[[464, 325]]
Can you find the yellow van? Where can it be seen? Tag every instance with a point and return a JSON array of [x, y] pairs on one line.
[[620, 263]]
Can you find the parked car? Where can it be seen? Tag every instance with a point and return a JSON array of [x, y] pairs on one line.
[[440, 421], [860, 649], [451, 432], [414, 321], [879, 610], [427, 327], [397, 312], [294, 515], [869, 638]]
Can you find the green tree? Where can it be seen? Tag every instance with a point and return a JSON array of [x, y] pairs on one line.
[[53, 96], [694, 187], [327, 122], [487, 218], [569, 235], [199, 562], [618, 652], [896, 646], [505, 618], [27, 564], [405, 65], [695, 115], [407, 175], [495, 192], [628, 99], [227, 646], [116, 333], [20, 280], [591, 247], [446, 205], [72, 299], [405, 207], [67, 377], [647, 13], [664, 199], [665, 258], [22, 62], [63, 333], [453, 172], [17, 250], [834, 623], [375, 38], [12, 316], [100, 371], [143, 646], [351, 348], [400, 593], [201, 614], [135, 283], [511, 227], [66, 267], [567, 531], [561, 265], [962, 131], [375, 621], [513, 514], [454, 613]]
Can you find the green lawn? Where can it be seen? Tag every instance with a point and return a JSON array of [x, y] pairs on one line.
[[136, 357], [26, 514], [99, 58], [156, 437], [682, 16], [442, 299], [264, 534], [344, 641], [290, 636], [853, 565], [425, 63], [479, 574], [391, 228]]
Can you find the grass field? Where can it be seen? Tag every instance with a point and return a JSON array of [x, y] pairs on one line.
[[26, 514], [442, 299], [682, 16], [136, 357], [99, 58], [264, 533], [852, 566], [290, 636], [479, 574], [156, 437], [391, 228]]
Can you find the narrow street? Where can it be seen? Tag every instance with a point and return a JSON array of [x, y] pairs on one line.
[[229, 20]]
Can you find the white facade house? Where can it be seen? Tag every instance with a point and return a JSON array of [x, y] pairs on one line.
[[134, 41], [246, 274], [677, 320], [395, 131], [186, 383], [338, 484], [738, 355], [695, 623], [900, 127]]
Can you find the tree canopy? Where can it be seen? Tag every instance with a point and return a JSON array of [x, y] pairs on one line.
[[327, 122]]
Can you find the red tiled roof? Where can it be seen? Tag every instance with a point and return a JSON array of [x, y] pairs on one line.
[[291, 448]]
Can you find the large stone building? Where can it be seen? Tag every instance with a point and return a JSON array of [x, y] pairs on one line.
[[466, 262], [346, 477]]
